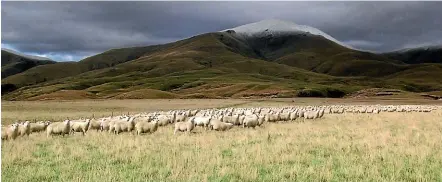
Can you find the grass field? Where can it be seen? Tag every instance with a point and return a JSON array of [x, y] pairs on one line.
[[347, 147]]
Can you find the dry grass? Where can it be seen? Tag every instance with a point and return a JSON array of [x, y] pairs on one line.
[[60, 110], [348, 147]]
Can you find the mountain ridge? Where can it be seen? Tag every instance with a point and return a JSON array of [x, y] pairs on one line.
[[219, 65]]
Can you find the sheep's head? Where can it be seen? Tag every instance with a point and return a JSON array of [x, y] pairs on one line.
[[14, 126], [191, 120]]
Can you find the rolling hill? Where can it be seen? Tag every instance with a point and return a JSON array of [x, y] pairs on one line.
[[14, 62], [283, 60]]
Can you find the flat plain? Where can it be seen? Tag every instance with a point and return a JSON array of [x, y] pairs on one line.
[[338, 147]]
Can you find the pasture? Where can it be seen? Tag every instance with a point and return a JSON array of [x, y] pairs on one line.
[[389, 146]]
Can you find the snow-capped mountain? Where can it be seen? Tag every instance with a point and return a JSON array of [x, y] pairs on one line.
[[279, 27], [26, 56]]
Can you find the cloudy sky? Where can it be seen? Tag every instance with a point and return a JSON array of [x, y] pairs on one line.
[[70, 31]]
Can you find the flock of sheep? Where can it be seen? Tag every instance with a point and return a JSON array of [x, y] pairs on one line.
[[187, 120]]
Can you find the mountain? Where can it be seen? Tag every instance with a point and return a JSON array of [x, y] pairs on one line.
[[275, 27], [281, 60], [428, 54], [14, 62]]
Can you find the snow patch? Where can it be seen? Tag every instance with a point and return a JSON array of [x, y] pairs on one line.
[[278, 27]]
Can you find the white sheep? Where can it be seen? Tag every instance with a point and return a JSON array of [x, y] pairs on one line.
[[146, 127], [11, 132], [124, 126], [185, 126], [94, 124], [24, 129], [80, 126], [217, 125], [251, 121], [39, 126], [59, 128], [203, 121]]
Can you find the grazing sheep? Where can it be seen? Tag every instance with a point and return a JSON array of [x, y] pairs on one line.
[[376, 111], [59, 128], [80, 126], [311, 114], [24, 129], [217, 125], [163, 120], [293, 115], [39, 127], [275, 117], [185, 126], [301, 113], [251, 121], [145, 127], [285, 116], [94, 124], [124, 126], [203, 121]]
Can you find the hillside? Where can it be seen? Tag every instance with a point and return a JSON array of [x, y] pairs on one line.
[[224, 64], [418, 55], [13, 62]]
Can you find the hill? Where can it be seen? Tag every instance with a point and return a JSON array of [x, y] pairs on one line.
[[13, 62], [226, 64], [418, 55]]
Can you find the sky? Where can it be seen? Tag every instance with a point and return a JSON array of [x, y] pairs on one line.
[[71, 31]]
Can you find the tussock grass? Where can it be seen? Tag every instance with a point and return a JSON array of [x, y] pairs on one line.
[[348, 147]]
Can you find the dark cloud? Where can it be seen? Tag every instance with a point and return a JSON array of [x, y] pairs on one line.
[[72, 30]]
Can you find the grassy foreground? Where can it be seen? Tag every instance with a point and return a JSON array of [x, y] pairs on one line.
[[348, 147]]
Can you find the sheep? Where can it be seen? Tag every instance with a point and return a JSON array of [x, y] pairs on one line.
[[24, 129], [217, 125], [275, 117], [300, 113], [40, 126], [145, 127], [11, 132], [122, 126], [293, 115], [311, 114], [285, 116], [180, 118], [202, 121], [261, 120], [251, 121], [163, 120], [110, 125], [80, 126], [185, 126], [321, 113], [59, 128], [94, 124]]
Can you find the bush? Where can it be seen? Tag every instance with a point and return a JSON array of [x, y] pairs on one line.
[[309, 93]]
